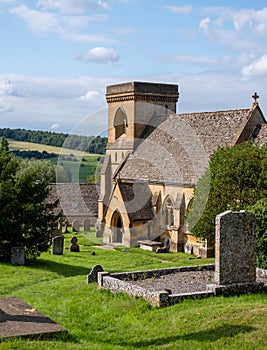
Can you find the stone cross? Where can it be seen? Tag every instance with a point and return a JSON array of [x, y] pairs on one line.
[[255, 96]]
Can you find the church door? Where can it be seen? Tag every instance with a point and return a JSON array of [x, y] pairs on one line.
[[117, 225]]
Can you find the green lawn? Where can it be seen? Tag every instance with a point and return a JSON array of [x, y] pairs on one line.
[[97, 319]]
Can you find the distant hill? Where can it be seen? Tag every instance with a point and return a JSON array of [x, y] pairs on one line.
[[91, 144], [70, 160]]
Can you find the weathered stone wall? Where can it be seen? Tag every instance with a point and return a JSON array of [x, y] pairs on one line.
[[121, 282]]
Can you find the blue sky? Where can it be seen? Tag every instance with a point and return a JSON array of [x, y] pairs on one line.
[[57, 56]]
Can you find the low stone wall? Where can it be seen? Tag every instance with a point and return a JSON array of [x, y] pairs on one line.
[[261, 273], [121, 282]]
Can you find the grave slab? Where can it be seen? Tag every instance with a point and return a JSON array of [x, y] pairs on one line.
[[18, 319]]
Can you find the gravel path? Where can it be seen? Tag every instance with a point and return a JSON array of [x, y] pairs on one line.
[[181, 282]]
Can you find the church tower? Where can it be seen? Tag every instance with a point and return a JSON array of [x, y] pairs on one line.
[[131, 106]]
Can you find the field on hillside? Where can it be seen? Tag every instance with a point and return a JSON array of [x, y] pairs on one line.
[[29, 146], [99, 320], [80, 164]]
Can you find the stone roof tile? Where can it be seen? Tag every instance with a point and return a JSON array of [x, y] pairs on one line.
[[138, 200], [176, 149], [261, 138], [75, 199]]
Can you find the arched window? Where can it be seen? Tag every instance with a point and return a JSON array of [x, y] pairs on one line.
[[168, 212], [120, 123]]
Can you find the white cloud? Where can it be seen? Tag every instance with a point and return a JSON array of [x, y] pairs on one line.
[[55, 126], [100, 55], [180, 9], [90, 38], [90, 95], [4, 107], [6, 87], [241, 29], [42, 22], [72, 6], [204, 24], [256, 20], [65, 26], [196, 59], [256, 68]]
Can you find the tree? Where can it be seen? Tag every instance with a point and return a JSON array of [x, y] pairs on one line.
[[237, 179], [260, 210], [26, 218]]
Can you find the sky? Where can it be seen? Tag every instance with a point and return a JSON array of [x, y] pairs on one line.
[[58, 56]]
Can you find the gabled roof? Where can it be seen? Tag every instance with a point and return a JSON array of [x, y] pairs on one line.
[[261, 137], [75, 199], [176, 148], [137, 199]]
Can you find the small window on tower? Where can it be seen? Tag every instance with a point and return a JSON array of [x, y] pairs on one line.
[[120, 123]]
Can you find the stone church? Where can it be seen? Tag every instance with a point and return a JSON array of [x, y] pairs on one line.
[[153, 160]]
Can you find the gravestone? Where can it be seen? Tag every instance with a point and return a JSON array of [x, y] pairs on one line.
[[235, 247], [92, 276], [74, 246], [86, 225], [17, 256], [58, 245], [235, 254], [75, 225]]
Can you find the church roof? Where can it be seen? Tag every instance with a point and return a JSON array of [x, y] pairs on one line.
[[176, 148], [261, 137], [138, 200], [75, 199]]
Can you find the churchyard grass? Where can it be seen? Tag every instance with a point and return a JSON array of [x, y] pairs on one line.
[[97, 319]]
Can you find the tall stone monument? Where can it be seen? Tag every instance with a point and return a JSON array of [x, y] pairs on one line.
[[235, 254]]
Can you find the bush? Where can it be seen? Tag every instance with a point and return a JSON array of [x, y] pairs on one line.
[[260, 210]]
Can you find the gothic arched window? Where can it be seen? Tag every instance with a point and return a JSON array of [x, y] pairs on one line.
[[168, 212], [120, 123]]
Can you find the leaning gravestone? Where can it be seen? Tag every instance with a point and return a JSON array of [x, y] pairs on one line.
[[92, 276], [58, 245], [235, 254], [17, 256], [74, 246]]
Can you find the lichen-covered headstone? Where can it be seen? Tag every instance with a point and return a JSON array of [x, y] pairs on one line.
[[86, 225], [17, 256], [75, 225], [58, 245], [235, 248]]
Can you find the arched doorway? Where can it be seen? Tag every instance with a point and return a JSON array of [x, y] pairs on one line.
[[117, 225]]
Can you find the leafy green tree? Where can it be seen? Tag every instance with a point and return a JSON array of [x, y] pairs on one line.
[[260, 210], [237, 179], [26, 217]]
